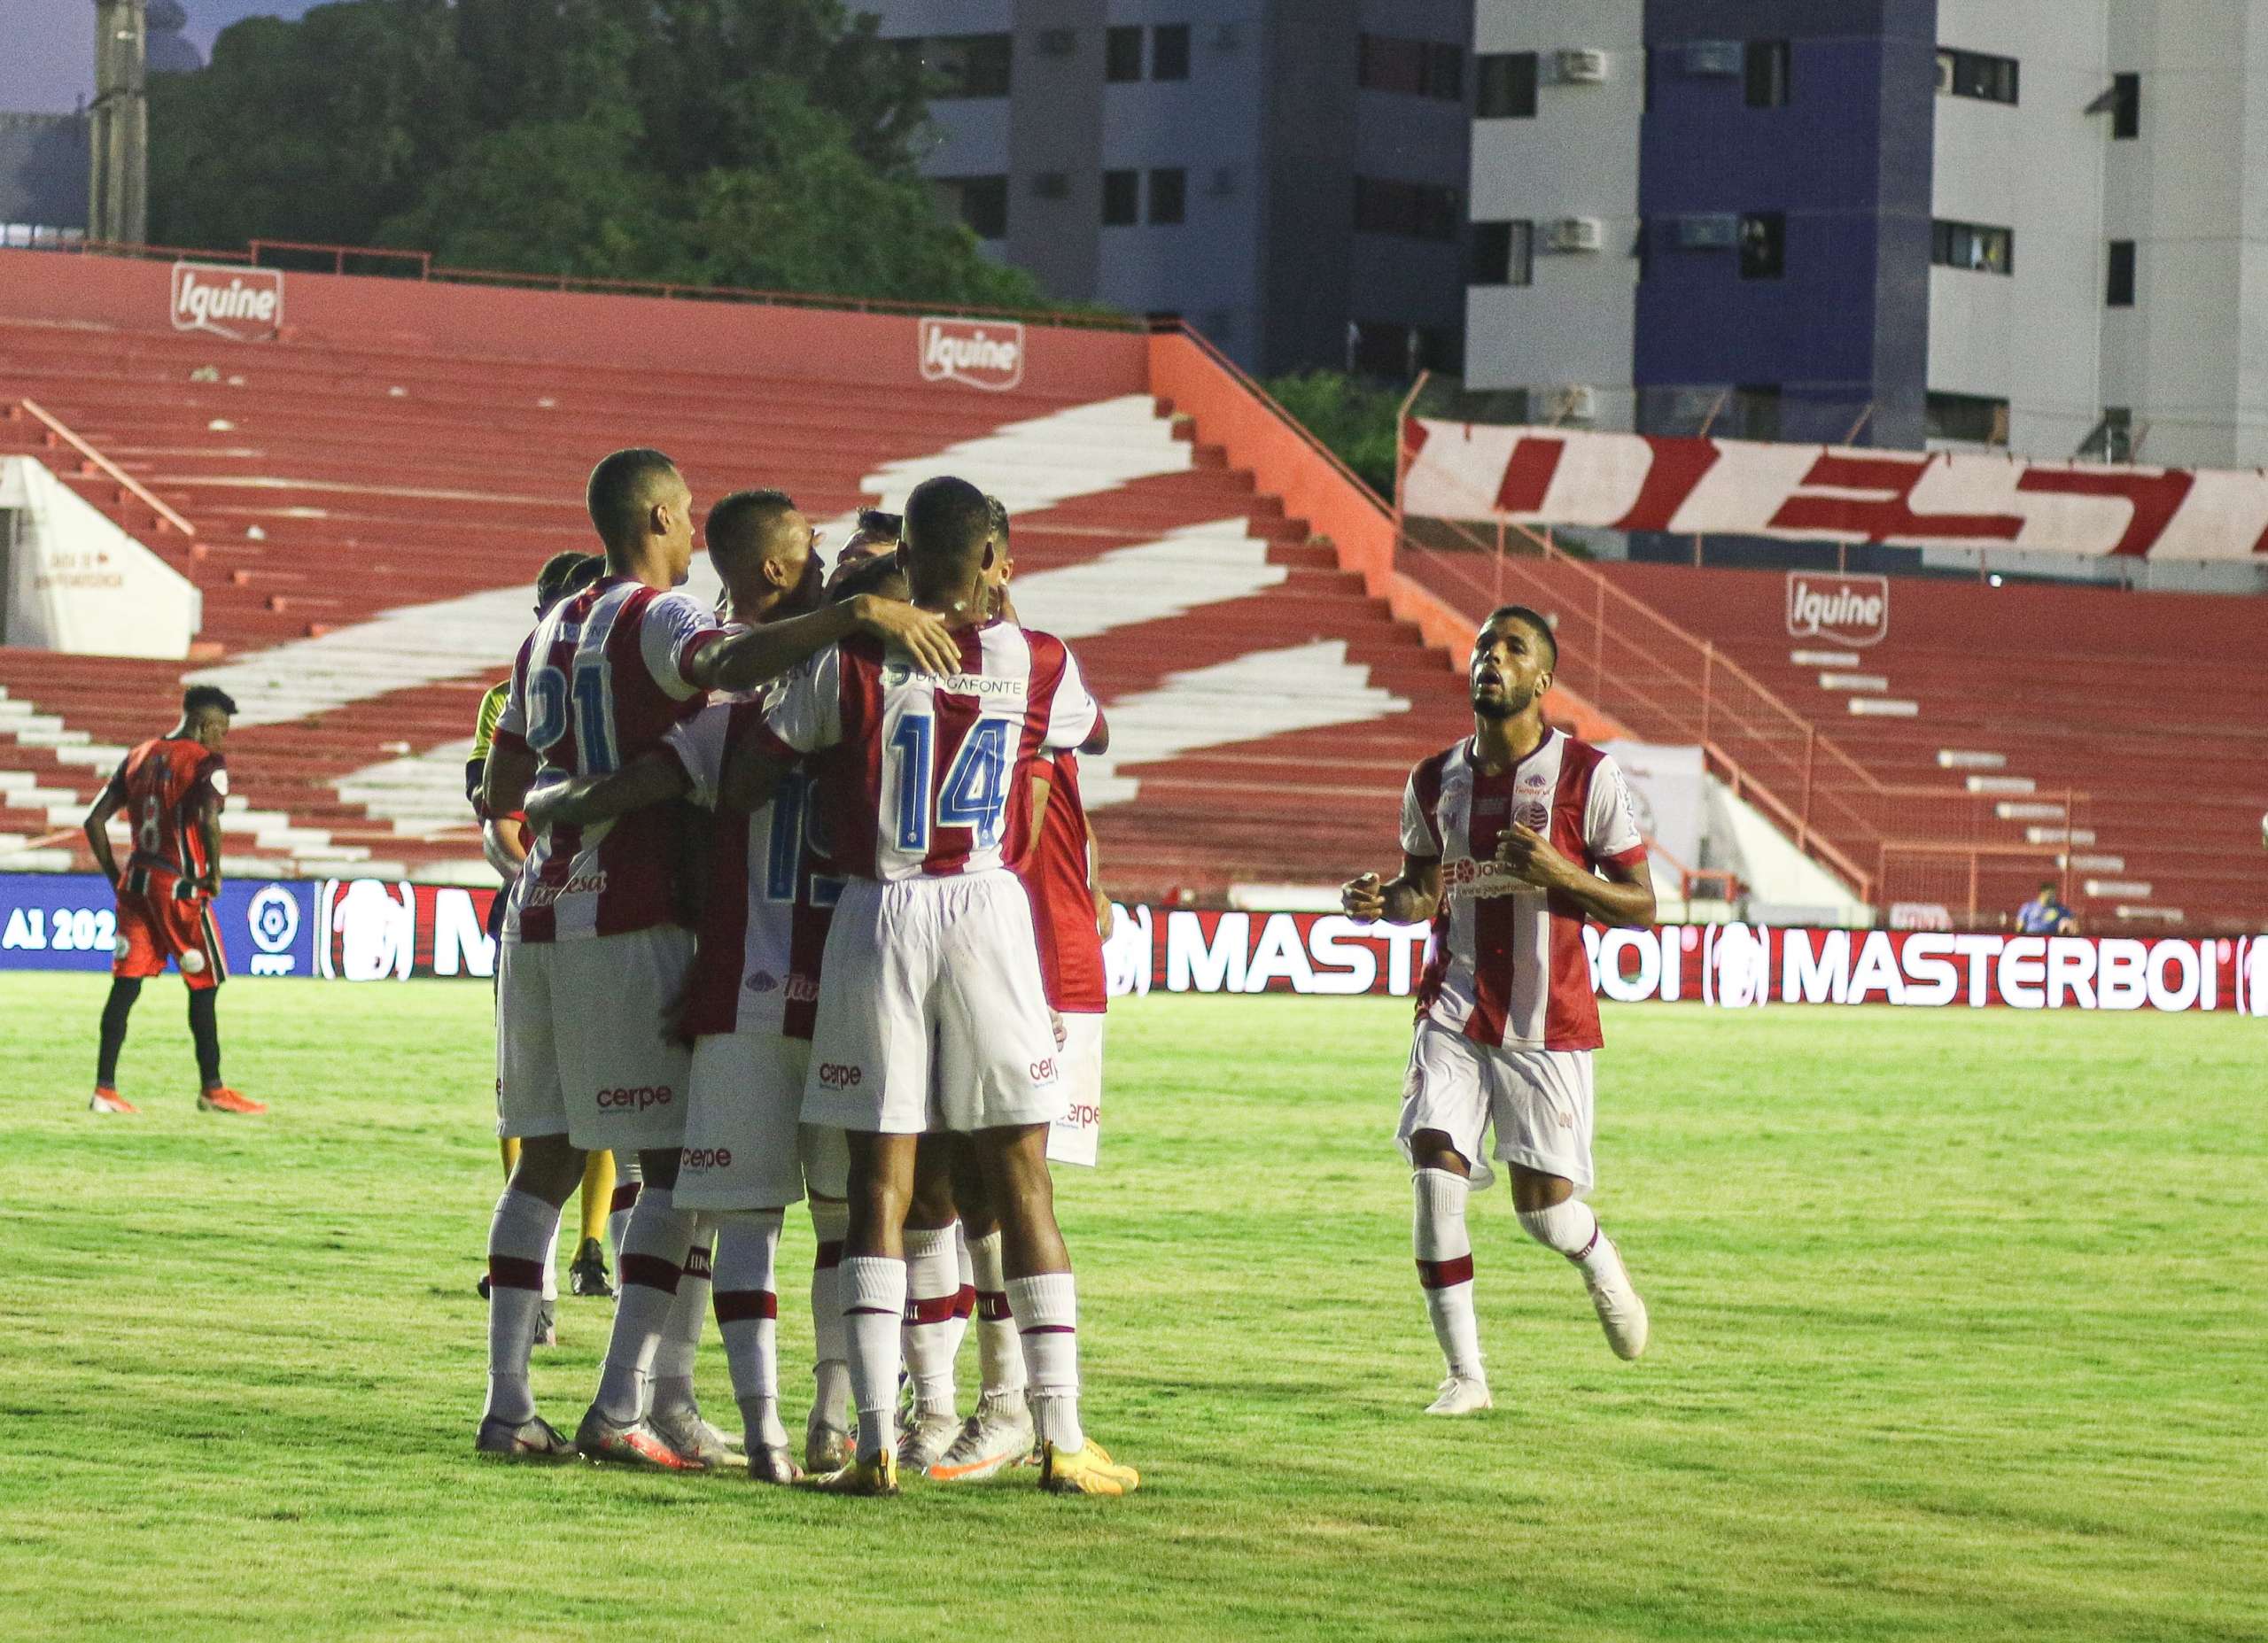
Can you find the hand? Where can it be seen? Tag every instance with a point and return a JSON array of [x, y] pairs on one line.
[[1105, 916], [1003, 606], [1055, 1020], [210, 884], [550, 808], [673, 1014], [929, 641], [1533, 858], [1362, 898]]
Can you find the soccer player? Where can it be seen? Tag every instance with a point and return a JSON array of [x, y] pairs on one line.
[[876, 533], [931, 1009], [1510, 840], [593, 951], [171, 789]]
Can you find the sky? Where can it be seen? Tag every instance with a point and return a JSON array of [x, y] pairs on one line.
[[47, 47]]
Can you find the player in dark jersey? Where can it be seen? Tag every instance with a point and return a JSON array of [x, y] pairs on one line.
[[171, 789]]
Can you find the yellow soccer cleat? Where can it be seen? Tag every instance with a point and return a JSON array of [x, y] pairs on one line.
[[876, 1476], [1086, 1471]]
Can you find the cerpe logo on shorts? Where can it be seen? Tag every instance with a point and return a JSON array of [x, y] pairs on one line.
[[637, 1100], [704, 1157], [835, 1076]]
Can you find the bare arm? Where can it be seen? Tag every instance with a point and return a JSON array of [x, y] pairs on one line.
[[654, 778], [208, 823], [1412, 897], [752, 777], [500, 843], [743, 659], [504, 784], [1626, 896], [1104, 915], [96, 826]]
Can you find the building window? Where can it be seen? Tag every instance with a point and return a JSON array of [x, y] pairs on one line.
[[1763, 245], [1169, 195], [980, 202], [1169, 51], [1392, 349], [1122, 198], [1969, 418], [2118, 289], [1974, 246], [1122, 53], [1503, 253], [1421, 211], [2125, 106], [1755, 413], [1416, 67], [1764, 72], [970, 66], [1505, 86], [1975, 75]]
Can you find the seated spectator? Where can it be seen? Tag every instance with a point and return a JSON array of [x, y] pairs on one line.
[[2046, 915]]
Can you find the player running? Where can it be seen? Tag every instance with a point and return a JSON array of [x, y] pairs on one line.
[[593, 951], [171, 789], [932, 1010], [1504, 841]]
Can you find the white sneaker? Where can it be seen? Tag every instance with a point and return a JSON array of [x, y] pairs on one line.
[[995, 1437], [1621, 1313], [1462, 1394], [924, 1441]]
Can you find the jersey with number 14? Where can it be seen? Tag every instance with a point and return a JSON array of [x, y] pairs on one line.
[[601, 681], [916, 776]]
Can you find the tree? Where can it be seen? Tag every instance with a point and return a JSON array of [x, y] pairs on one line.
[[1356, 419]]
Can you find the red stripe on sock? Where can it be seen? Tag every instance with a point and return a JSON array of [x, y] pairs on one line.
[[1584, 1251], [1441, 1274], [745, 1306], [871, 1311], [652, 1271], [829, 1255], [1050, 1328], [993, 1306], [626, 1194], [965, 1302], [509, 1272], [930, 1308], [696, 1264]]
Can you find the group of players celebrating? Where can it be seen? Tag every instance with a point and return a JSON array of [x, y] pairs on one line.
[[807, 911]]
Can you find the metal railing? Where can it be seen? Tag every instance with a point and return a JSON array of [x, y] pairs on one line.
[[109, 470]]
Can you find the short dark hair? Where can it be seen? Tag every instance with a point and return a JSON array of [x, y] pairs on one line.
[[199, 698], [946, 524], [877, 522], [566, 573], [742, 516], [621, 489], [866, 575], [998, 512], [1534, 619], [2047, 884]]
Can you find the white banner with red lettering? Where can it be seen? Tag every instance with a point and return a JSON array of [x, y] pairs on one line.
[[1915, 499]]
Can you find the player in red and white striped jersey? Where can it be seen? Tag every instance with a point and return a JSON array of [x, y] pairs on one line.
[[1510, 840], [932, 1010], [592, 949]]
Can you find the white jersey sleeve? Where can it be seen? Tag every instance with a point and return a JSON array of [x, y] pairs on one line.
[[512, 719], [807, 713], [698, 744], [1610, 823], [1419, 838], [1072, 715], [673, 627]]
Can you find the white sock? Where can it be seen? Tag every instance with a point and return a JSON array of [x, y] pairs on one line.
[[551, 1268], [830, 1367], [524, 1225], [1445, 1267], [964, 1296], [1570, 1228], [932, 1286], [680, 1344], [999, 1348], [1047, 1309], [748, 1316], [873, 1304], [653, 1265], [628, 1178]]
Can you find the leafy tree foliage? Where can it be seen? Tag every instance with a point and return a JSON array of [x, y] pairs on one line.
[[1354, 418]]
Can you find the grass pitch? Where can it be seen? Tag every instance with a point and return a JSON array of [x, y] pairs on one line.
[[1958, 1331]]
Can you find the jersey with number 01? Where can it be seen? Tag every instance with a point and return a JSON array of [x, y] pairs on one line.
[[767, 903], [917, 775], [599, 682]]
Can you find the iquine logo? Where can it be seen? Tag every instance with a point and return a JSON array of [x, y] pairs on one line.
[[981, 353], [1848, 609], [245, 305]]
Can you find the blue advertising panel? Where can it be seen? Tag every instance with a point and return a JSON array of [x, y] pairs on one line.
[[69, 921]]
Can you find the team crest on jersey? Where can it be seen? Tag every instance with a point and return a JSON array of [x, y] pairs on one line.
[[895, 673], [1533, 814]]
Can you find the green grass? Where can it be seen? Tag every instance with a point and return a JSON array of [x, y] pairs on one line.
[[1958, 1333]]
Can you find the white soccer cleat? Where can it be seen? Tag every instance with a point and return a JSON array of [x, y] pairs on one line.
[[995, 1437], [1621, 1313], [922, 1444], [1462, 1394]]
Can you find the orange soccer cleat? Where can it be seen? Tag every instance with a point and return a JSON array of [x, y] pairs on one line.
[[220, 1098], [108, 1100]]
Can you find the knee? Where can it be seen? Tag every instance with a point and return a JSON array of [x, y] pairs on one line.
[[1431, 1148], [657, 1168], [1533, 1190], [549, 1167]]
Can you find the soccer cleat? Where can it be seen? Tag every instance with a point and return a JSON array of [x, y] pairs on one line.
[[1087, 1471], [827, 1446], [108, 1100], [1462, 1394], [723, 1437], [534, 1438], [875, 1476], [546, 1325], [694, 1440], [920, 1444], [220, 1098], [586, 1275], [995, 1437], [769, 1463], [630, 1443], [1621, 1313]]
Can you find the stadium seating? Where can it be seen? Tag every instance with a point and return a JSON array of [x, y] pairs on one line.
[[369, 516]]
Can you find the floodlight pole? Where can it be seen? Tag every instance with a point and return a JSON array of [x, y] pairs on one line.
[[118, 126]]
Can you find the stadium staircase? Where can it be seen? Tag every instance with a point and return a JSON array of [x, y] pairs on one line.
[[366, 520]]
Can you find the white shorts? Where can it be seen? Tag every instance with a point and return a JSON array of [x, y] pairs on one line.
[[933, 974], [1077, 1133], [744, 1145], [1539, 1100], [579, 1049]]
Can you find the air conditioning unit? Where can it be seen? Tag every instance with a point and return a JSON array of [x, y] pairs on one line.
[[1576, 402], [1710, 233], [1058, 41], [1583, 67], [1713, 56], [1573, 234]]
